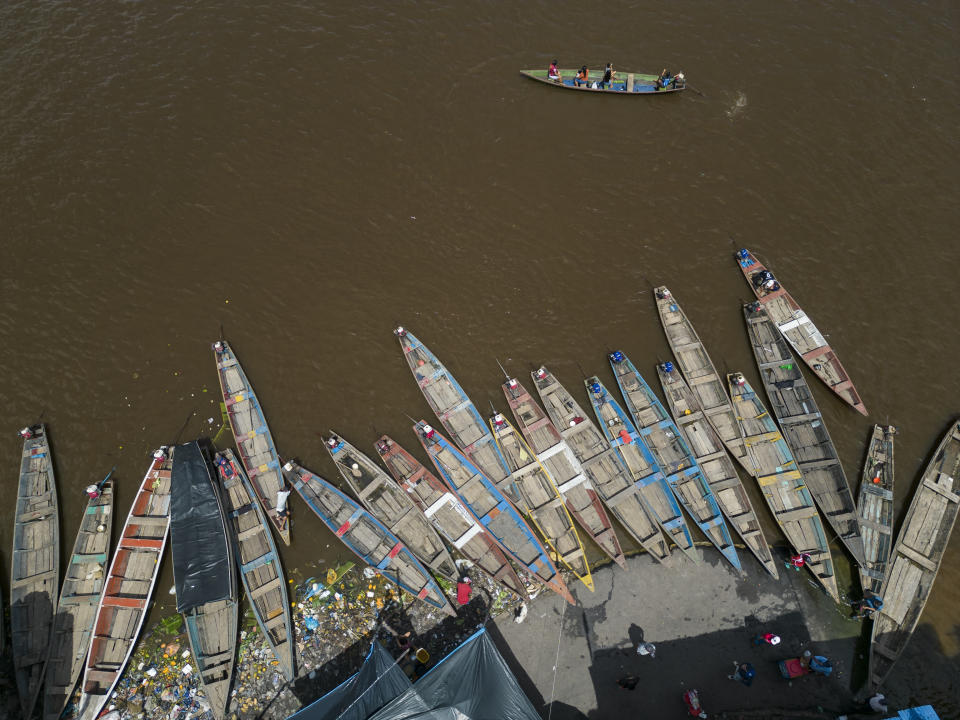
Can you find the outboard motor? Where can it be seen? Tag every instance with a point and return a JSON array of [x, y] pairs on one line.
[[616, 356]]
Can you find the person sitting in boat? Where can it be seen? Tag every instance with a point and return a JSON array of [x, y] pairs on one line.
[[554, 72], [608, 74], [870, 604], [765, 280], [662, 80], [583, 75]]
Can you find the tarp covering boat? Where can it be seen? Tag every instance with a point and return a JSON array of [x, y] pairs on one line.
[[203, 569]]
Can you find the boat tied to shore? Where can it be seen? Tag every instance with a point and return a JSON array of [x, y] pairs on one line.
[[799, 330], [875, 508], [916, 557]]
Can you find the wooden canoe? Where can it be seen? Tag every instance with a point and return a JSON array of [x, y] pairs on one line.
[[625, 83], [452, 518], [259, 562], [701, 375], [875, 508], [458, 415], [799, 330], [782, 483], [367, 537], [129, 586], [34, 567], [803, 428], [564, 469], [621, 433], [254, 442], [673, 457], [542, 502], [715, 464], [501, 518], [602, 464], [379, 494], [79, 597], [916, 557]]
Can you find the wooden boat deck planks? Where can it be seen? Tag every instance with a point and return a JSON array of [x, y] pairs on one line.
[[542, 502], [564, 468], [799, 330], [782, 483], [657, 495], [602, 464], [34, 566], [875, 508], [803, 428], [916, 557], [716, 465], [452, 518], [367, 537], [129, 586], [259, 562], [254, 442], [79, 597], [379, 494], [453, 408], [495, 511], [212, 631], [700, 374]]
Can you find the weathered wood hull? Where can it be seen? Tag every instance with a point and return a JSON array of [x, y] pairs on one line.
[[915, 560], [716, 465], [79, 597], [701, 375], [673, 457], [34, 567], [452, 518], [495, 511], [803, 428], [260, 569], [542, 502], [782, 484], [626, 83], [801, 333], [379, 494], [212, 631], [564, 468], [129, 586], [367, 537], [875, 508], [254, 442], [602, 464], [657, 495]]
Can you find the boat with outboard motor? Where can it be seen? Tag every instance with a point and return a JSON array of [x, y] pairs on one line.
[[622, 83]]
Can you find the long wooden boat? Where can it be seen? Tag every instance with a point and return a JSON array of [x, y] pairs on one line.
[[35, 566], [79, 597], [501, 518], [542, 502], [204, 570], [452, 518], [129, 587], [379, 494], [799, 330], [875, 508], [700, 374], [602, 464], [455, 411], [916, 557], [803, 428], [257, 451], [621, 433], [260, 569], [564, 469], [625, 83], [367, 537], [715, 464], [782, 483], [673, 457]]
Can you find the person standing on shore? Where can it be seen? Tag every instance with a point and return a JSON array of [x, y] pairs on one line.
[[768, 638], [797, 562], [743, 672], [646, 648]]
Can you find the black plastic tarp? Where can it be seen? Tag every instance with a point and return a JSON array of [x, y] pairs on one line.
[[203, 562]]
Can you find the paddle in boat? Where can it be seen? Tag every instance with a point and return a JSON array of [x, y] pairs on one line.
[[620, 83], [799, 330], [258, 560], [129, 586], [602, 464], [875, 508]]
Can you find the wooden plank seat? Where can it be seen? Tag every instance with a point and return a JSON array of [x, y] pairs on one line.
[[266, 588], [123, 602], [141, 543]]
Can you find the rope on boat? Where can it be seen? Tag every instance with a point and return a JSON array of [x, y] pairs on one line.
[[556, 660]]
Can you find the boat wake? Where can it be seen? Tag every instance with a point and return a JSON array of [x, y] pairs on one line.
[[738, 105]]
